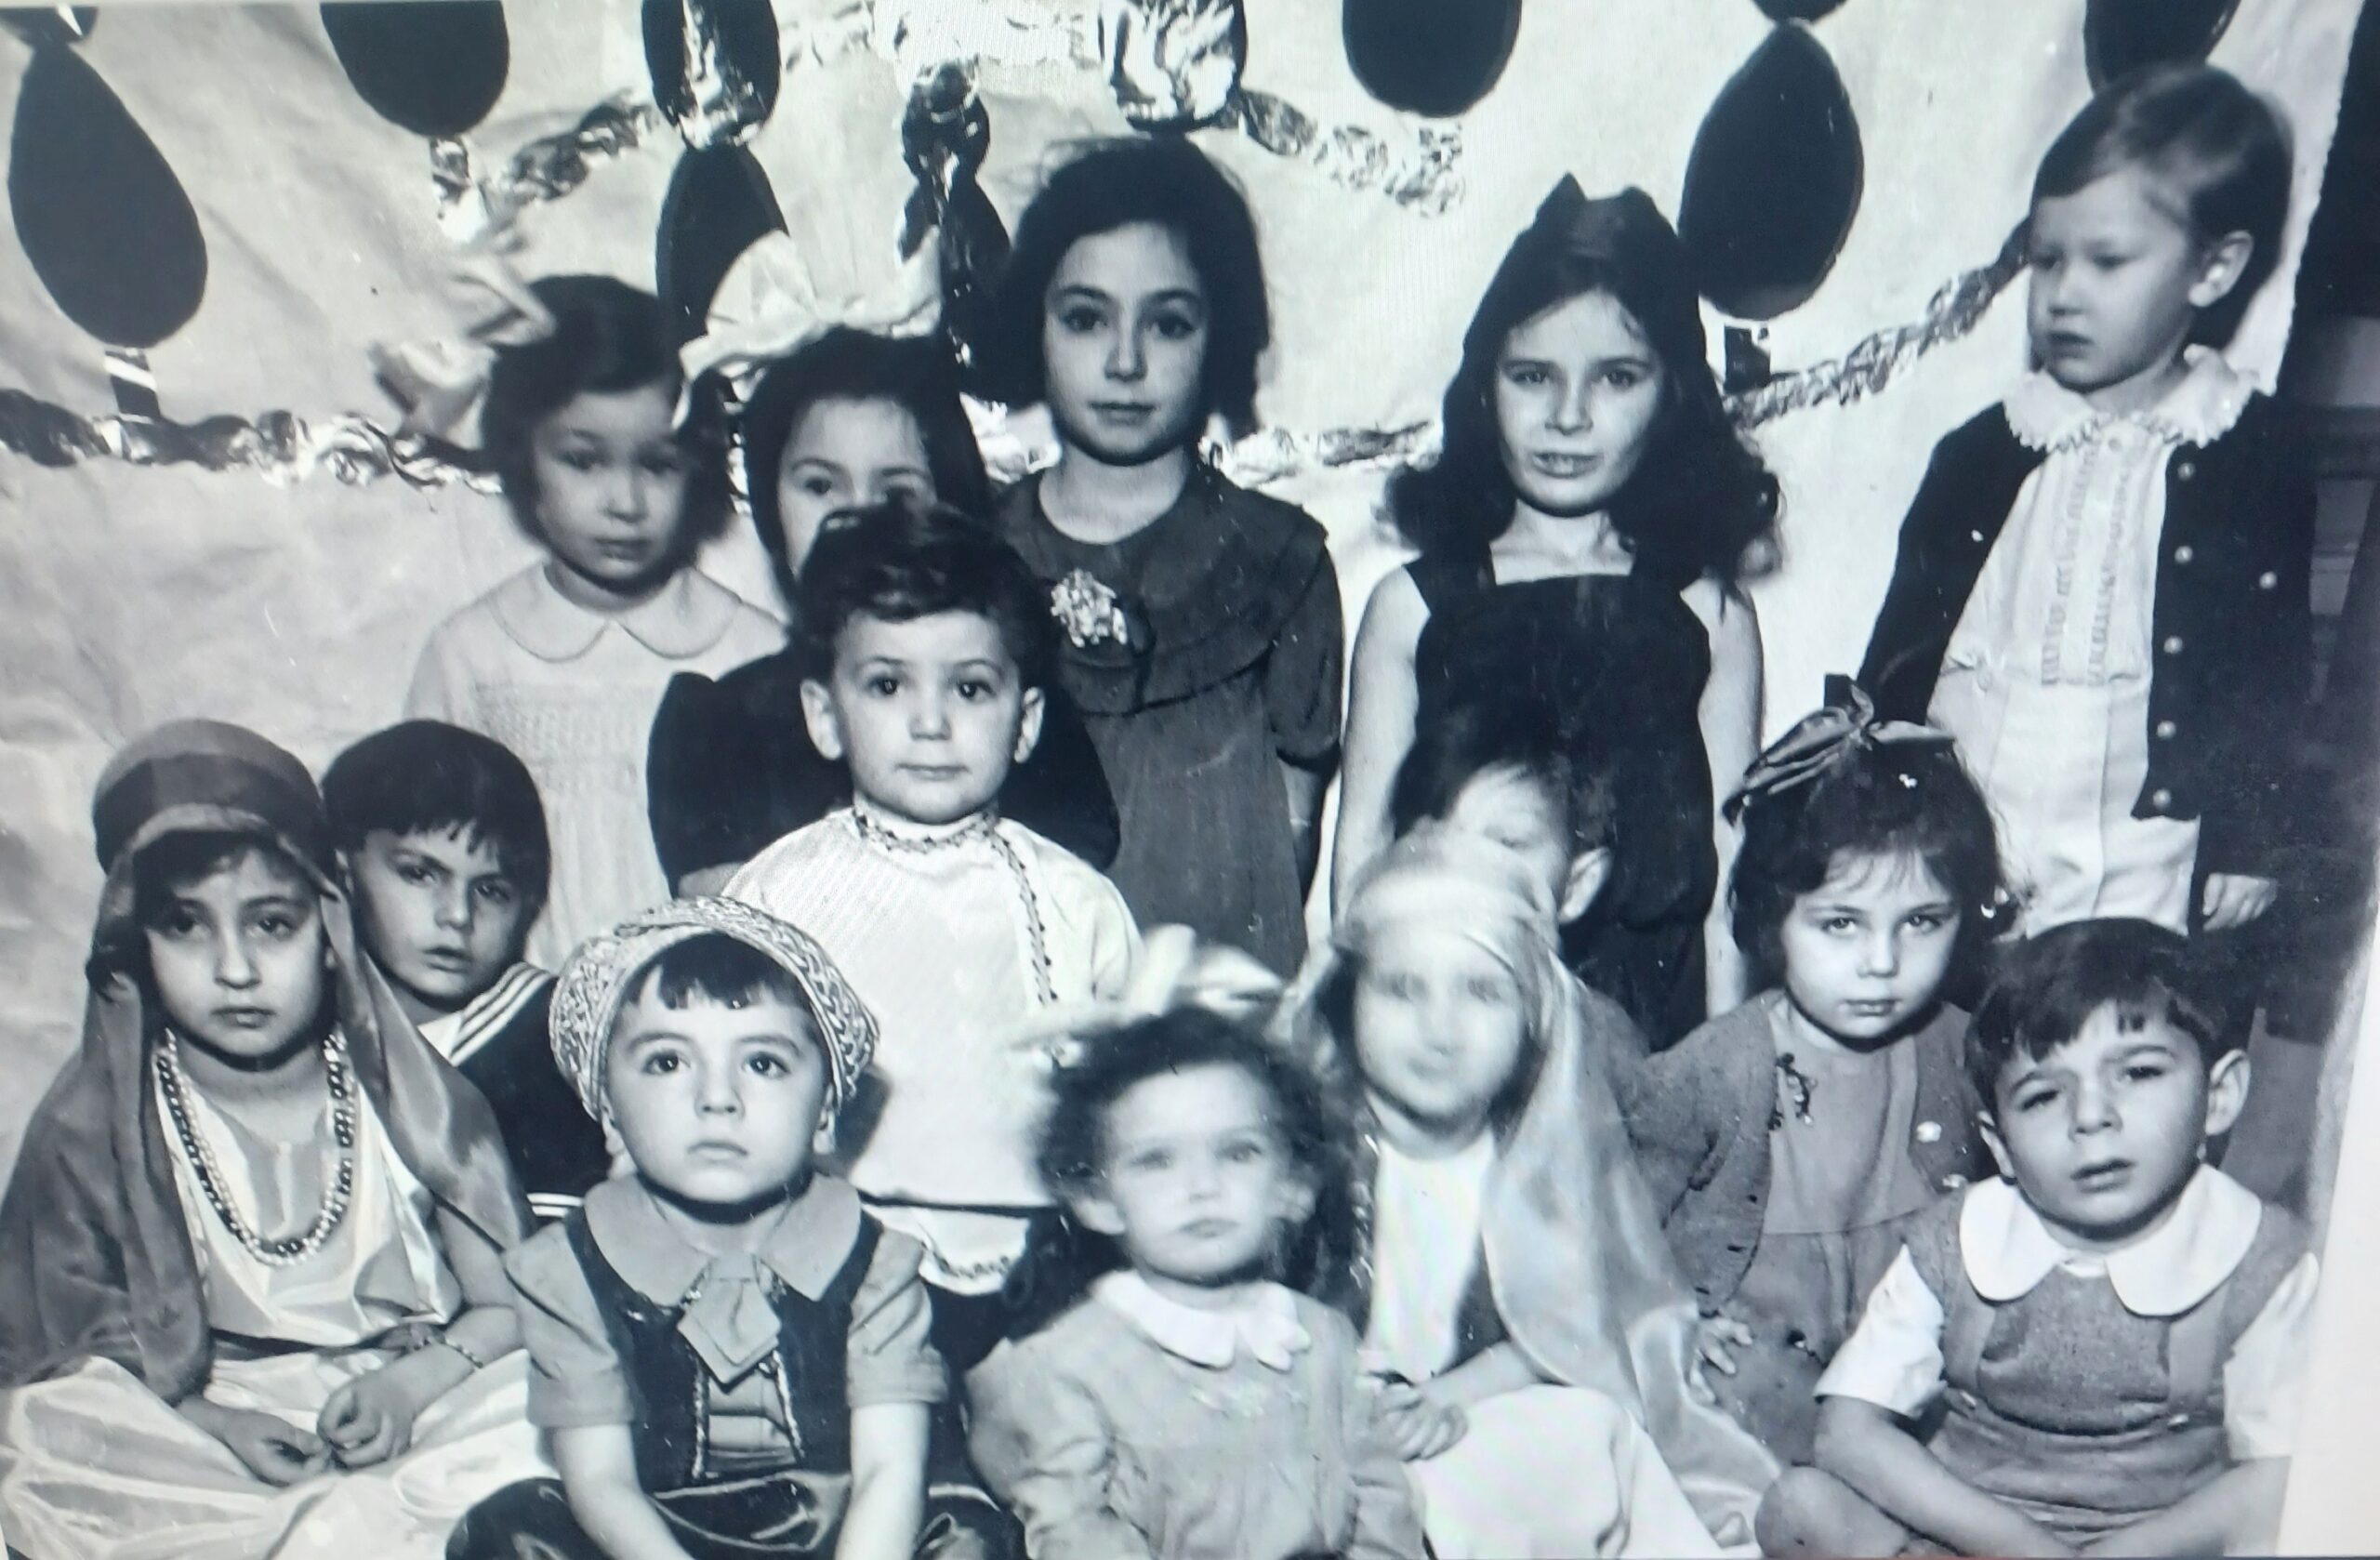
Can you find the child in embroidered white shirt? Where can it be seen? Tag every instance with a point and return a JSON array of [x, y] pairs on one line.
[[2111, 1331], [929, 644], [564, 662]]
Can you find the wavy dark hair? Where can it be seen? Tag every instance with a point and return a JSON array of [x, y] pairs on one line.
[[916, 375], [2045, 988], [1116, 184], [608, 338], [1699, 502], [903, 560], [2198, 131]]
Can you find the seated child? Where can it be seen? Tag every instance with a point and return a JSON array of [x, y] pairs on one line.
[[251, 1289], [1191, 1407], [2098, 1352], [730, 1354], [444, 838], [1788, 1141], [929, 644], [1501, 1255], [1497, 768]]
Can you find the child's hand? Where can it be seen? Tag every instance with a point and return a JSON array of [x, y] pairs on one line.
[[1713, 1335], [370, 1419], [1418, 1424], [2234, 899], [273, 1449]]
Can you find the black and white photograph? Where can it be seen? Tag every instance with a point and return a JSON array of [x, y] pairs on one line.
[[1188, 779]]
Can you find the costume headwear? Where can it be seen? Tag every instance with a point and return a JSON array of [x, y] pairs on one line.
[[605, 971], [1825, 740]]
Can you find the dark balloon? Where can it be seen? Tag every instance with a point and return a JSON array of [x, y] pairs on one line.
[[719, 202], [714, 65], [99, 213], [433, 67], [1430, 56], [39, 25], [2118, 36], [1797, 11], [1774, 180]]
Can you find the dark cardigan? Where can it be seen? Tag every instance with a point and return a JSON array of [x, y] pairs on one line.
[[1699, 1114], [2232, 619]]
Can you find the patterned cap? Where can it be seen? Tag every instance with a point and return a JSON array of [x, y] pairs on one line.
[[600, 976]]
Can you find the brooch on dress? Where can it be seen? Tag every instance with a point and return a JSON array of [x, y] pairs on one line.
[[1088, 610]]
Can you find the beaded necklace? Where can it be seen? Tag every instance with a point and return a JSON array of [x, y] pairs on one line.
[[984, 827], [175, 1084]]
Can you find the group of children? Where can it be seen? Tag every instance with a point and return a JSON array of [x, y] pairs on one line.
[[902, 1188]]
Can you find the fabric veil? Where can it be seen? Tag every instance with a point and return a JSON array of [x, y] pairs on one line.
[[1581, 1273], [96, 1260]]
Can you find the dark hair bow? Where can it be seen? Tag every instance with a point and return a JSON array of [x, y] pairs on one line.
[[1846, 727]]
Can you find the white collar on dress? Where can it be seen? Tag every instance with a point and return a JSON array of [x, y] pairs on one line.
[[2008, 1250], [690, 614], [1266, 1328], [2045, 415]]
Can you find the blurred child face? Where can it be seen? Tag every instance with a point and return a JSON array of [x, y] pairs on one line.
[[1441, 1023], [1197, 1182], [929, 713], [238, 958], [438, 913], [2116, 279], [1508, 806], [1578, 391], [1866, 951], [2102, 1134], [847, 454], [1124, 344], [611, 495], [717, 1102]]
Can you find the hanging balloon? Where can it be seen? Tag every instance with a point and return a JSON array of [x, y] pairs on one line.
[[1797, 11], [714, 64], [945, 135], [101, 215], [2118, 36], [53, 24], [1774, 179], [433, 67], [719, 202], [1175, 64], [1430, 56]]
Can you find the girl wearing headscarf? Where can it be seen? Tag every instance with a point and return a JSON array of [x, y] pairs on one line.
[[1498, 1247], [251, 1286]]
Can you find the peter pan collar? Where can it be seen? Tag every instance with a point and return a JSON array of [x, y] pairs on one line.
[[2008, 1250], [2045, 415], [690, 614], [1266, 1327], [806, 1249]]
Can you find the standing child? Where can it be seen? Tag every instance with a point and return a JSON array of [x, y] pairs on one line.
[[730, 1354], [1498, 1251], [927, 647], [1203, 635], [1580, 535], [1786, 1142], [1191, 1408], [2105, 1342], [2102, 586], [564, 662], [443, 839], [251, 1292]]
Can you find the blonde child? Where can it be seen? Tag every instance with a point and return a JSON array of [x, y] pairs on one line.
[[2101, 590]]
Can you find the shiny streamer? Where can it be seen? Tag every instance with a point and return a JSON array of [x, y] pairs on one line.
[[280, 446], [1173, 64], [1422, 176], [472, 199], [1955, 309]]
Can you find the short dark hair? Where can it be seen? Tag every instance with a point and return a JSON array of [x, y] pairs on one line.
[[2219, 146], [608, 338], [1118, 184], [1884, 800], [1074, 1140], [174, 862], [720, 969], [429, 778], [904, 559], [2044, 989], [1466, 740], [916, 375]]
